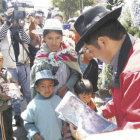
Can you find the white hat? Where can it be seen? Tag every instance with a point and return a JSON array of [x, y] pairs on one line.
[[50, 24]]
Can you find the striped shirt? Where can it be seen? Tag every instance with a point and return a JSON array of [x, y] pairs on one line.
[[23, 35]]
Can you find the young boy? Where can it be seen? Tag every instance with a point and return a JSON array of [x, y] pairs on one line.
[[5, 109], [40, 119]]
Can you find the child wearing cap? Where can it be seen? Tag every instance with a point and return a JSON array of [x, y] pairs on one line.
[[40, 119]]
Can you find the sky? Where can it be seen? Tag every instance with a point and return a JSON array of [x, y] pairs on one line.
[[41, 3], [38, 4]]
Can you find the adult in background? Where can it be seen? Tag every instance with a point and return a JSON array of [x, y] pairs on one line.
[[59, 17], [39, 15], [59, 53], [37, 22], [107, 40], [76, 36], [14, 47], [89, 67]]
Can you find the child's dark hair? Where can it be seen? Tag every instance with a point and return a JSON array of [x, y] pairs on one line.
[[37, 82], [83, 86]]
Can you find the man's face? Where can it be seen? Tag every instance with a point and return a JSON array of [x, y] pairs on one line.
[[40, 20], [29, 19], [99, 53]]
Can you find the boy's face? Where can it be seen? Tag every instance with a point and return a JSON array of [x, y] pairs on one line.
[[45, 87], [85, 97], [1, 61]]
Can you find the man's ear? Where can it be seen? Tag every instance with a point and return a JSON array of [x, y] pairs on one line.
[[102, 41]]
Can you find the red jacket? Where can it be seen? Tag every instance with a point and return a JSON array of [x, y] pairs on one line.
[[125, 105]]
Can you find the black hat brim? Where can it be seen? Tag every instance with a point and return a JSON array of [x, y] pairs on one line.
[[112, 15]]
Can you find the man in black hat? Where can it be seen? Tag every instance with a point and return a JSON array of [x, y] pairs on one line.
[[106, 39]]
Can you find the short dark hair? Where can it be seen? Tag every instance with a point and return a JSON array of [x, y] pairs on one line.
[[57, 15], [45, 32], [112, 29], [83, 86], [37, 82]]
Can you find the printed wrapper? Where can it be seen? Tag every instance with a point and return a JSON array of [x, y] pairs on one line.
[[71, 108], [12, 90]]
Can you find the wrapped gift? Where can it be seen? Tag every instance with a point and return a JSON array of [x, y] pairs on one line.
[[71, 109], [12, 90]]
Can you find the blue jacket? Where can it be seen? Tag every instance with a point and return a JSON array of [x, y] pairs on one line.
[[40, 117]]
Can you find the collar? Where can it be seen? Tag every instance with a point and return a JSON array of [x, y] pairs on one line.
[[122, 56], [114, 61], [42, 97]]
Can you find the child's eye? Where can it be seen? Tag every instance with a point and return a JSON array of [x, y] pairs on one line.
[[51, 86]]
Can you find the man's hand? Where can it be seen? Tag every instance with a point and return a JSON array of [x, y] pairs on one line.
[[9, 12], [61, 91], [8, 16], [38, 137], [79, 133], [74, 131], [21, 22]]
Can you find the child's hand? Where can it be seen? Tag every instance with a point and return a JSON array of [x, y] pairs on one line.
[[61, 91], [38, 137], [5, 97], [64, 130]]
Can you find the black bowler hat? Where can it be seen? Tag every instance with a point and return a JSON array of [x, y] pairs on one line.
[[91, 20]]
